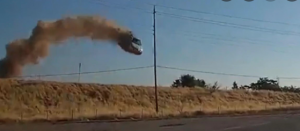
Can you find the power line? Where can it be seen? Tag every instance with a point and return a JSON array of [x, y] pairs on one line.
[[226, 24], [101, 2], [232, 39], [218, 73], [139, 8], [158, 66], [214, 37], [203, 12], [207, 72], [207, 21], [229, 16], [241, 43], [290, 78], [217, 35], [223, 15], [91, 72], [217, 14]]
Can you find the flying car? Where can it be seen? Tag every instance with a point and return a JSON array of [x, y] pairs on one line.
[[137, 44], [131, 44]]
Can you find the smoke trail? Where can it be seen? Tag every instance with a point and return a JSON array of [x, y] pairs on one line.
[[28, 51]]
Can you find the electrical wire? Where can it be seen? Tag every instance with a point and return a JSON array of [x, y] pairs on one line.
[[227, 24], [217, 14], [217, 35], [207, 21], [207, 72], [218, 73], [229, 16], [240, 43], [91, 72], [158, 66]]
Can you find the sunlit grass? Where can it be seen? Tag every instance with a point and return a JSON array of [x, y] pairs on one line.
[[53, 100]]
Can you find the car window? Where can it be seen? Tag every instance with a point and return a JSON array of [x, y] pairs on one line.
[[136, 41]]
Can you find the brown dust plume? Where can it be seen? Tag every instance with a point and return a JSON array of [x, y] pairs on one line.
[[22, 52]]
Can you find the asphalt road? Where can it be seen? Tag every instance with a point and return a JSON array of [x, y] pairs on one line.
[[249, 123]]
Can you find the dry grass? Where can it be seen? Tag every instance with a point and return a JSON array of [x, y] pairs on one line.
[[28, 100]]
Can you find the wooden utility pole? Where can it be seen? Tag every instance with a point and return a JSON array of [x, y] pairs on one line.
[[155, 75]]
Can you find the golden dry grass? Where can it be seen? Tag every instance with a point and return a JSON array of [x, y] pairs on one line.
[[28, 100]]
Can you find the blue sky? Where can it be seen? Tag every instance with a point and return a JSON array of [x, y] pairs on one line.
[[180, 42]]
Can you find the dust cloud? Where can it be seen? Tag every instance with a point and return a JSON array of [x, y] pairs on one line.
[[22, 52]]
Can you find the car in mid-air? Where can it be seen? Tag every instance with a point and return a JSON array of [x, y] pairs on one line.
[[136, 43], [129, 43]]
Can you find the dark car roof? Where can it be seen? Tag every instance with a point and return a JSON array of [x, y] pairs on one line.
[[136, 41]]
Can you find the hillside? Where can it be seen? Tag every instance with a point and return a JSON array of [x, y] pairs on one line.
[[29, 100]]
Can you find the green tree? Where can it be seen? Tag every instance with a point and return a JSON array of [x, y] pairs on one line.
[[176, 83], [216, 86], [188, 80], [200, 83], [244, 87], [291, 89], [235, 86], [265, 84]]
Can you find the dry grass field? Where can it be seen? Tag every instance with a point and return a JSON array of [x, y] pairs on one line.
[[31, 100]]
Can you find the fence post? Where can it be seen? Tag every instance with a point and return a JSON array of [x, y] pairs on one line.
[[21, 115], [47, 114], [266, 106], [72, 114], [96, 112], [142, 114]]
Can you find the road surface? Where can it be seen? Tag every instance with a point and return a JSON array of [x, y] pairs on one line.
[[289, 122]]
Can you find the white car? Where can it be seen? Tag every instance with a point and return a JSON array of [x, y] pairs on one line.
[[136, 43], [129, 43]]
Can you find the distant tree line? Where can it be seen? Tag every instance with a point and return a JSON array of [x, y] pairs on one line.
[[264, 83]]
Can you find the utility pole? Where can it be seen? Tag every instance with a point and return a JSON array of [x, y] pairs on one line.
[[155, 76], [79, 72]]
